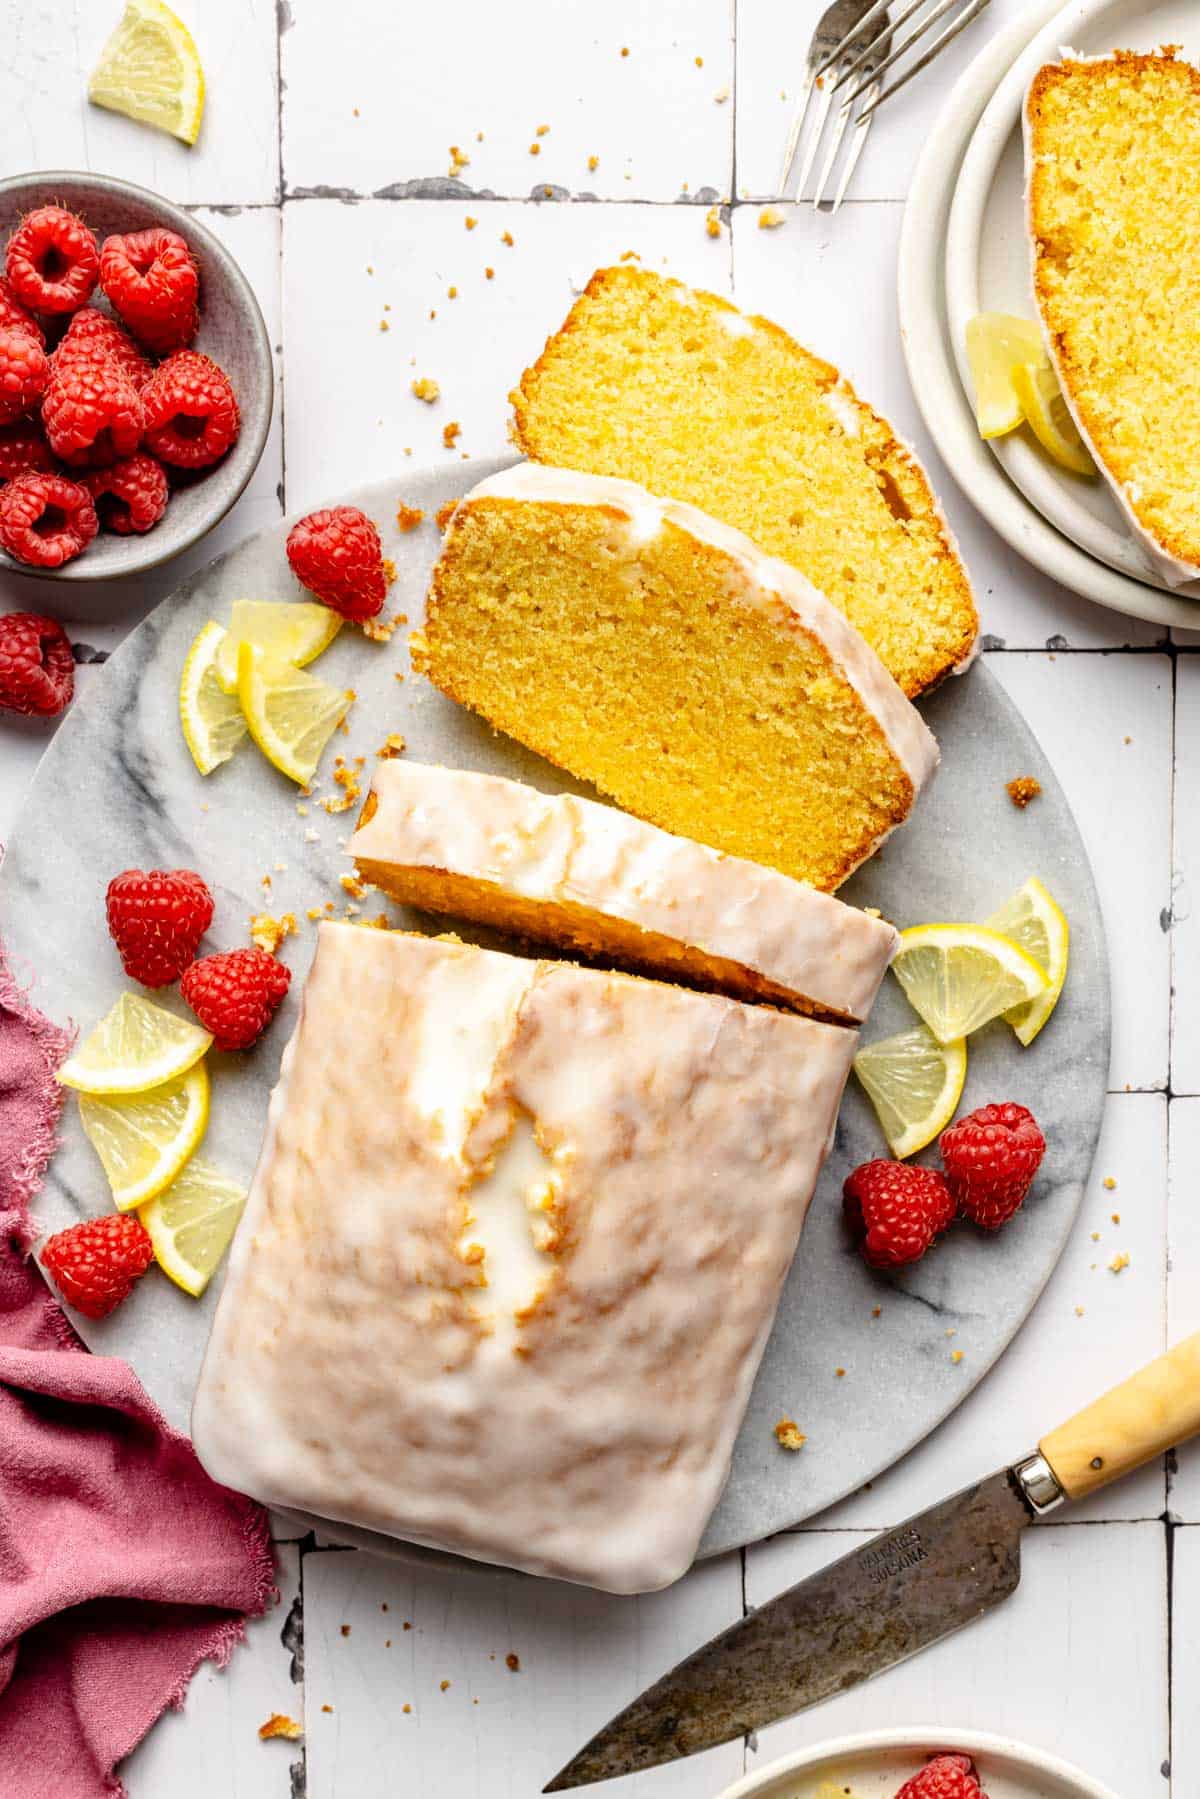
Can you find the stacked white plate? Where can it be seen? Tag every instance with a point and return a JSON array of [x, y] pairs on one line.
[[964, 249]]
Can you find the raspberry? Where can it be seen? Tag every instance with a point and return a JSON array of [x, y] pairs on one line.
[[152, 281], [895, 1211], [24, 372], [52, 261], [37, 669], [22, 448], [156, 921], [944, 1777], [93, 337], [235, 995], [990, 1158], [94, 1264], [13, 313], [131, 495], [191, 411], [45, 519], [337, 555]]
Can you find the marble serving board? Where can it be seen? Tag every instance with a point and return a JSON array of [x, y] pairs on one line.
[[117, 788]]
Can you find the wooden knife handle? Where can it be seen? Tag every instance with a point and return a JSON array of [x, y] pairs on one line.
[[1147, 1414]]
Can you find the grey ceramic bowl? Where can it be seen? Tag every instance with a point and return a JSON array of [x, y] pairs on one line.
[[232, 332]]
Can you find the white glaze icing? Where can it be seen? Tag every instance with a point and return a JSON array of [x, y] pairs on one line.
[[1183, 577], [571, 850], [760, 580], [349, 1371]]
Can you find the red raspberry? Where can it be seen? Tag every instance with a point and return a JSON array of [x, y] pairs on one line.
[[22, 448], [93, 337], [45, 520], [152, 281], [156, 921], [24, 372], [235, 995], [895, 1211], [94, 1264], [944, 1777], [337, 555], [52, 261], [13, 313], [91, 412], [990, 1158], [131, 495], [37, 669], [191, 411]]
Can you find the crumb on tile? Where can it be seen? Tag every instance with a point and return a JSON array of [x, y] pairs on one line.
[[451, 433], [406, 1708], [593, 163], [712, 222], [535, 149], [877, 1311], [490, 273], [512, 1662], [721, 95], [771, 217], [542, 130], [458, 159], [506, 237], [427, 389], [1079, 1311], [452, 293], [1109, 1183], [345, 1630], [326, 1708], [840, 1373], [956, 1356], [470, 222], [788, 1434], [280, 1725], [1023, 789], [1119, 1262], [445, 1685]]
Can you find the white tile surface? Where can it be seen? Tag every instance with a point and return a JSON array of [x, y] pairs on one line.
[[1185, 904], [50, 49], [1185, 1757], [424, 78], [1183, 1284]]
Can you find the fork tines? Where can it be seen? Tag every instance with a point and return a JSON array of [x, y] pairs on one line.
[[856, 43]]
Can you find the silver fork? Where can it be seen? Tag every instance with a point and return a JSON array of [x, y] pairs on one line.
[[845, 48]]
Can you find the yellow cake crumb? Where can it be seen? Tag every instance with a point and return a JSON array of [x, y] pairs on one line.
[[1119, 1262], [490, 274], [1109, 1183], [451, 433], [593, 162], [512, 1662], [506, 237], [426, 389], [1023, 789], [771, 217], [280, 1725], [470, 223], [392, 745], [789, 1435], [721, 95], [379, 629], [535, 149], [458, 159], [268, 932], [354, 885], [408, 517], [956, 1356], [712, 222], [445, 1686]]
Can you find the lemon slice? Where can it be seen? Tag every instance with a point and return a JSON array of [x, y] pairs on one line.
[[914, 1083], [293, 631], [150, 70], [958, 976], [136, 1047], [213, 723], [144, 1140], [1045, 410], [291, 715], [1033, 919], [191, 1223], [996, 343]]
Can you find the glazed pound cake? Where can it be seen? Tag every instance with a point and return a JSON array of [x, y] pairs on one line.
[[1113, 159], [664, 658], [511, 1254], [586, 878], [676, 389]]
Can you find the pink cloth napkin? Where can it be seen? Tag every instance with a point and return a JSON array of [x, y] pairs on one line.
[[122, 1566]]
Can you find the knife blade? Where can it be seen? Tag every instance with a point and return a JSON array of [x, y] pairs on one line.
[[883, 1602]]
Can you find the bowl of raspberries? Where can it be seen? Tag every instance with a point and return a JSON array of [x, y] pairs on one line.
[[135, 378]]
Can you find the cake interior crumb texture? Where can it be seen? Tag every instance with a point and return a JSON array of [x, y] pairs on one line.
[[674, 388], [1115, 215], [657, 671]]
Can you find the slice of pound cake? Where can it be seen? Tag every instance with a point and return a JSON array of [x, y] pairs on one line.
[[512, 1252], [567, 872], [664, 658], [677, 390], [1113, 157]]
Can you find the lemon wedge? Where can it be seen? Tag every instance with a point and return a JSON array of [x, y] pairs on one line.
[[191, 1223], [291, 715], [136, 1047], [1045, 410], [150, 70], [144, 1140], [213, 723], [914, 1083], [996, 343], [294, 631], [958, 976], [1034, 920]]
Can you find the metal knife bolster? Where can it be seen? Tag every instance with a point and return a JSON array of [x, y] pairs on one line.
[[1039, 1484]]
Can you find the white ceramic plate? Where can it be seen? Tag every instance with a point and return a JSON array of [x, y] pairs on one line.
[[929, 354], [988, 264], [876, 1765]]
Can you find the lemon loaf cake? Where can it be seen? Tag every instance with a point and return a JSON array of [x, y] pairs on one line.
[[1113, 160], [511, 1254], [567, 872], [664, 658], [676, 389]]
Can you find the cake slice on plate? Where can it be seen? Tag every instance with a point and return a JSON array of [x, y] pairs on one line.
[[512, 1252], [676, 389], [1113, 159], [664, 658], [574, 875]]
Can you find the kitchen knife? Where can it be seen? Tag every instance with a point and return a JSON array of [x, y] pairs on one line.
[[893, 1596]]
